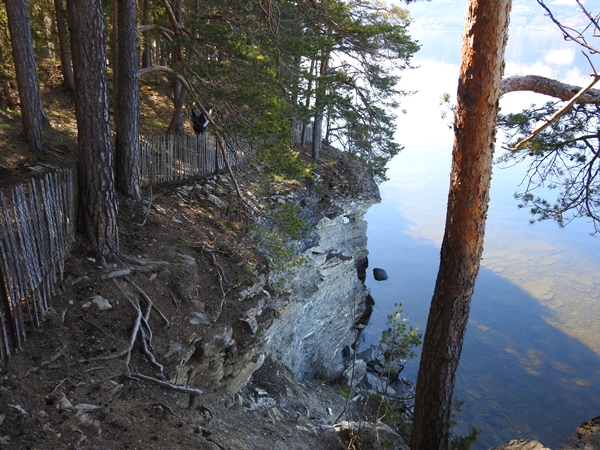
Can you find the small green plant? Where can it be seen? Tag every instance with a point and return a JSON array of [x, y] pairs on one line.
[[397, 341], [460, 442], [344, 391], [396, 346], [284, 225]]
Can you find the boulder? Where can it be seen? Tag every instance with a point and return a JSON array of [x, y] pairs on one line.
[[371, 436], [519, 444], [380, 274]]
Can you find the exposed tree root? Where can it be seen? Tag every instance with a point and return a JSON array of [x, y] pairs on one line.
[[166, 384]]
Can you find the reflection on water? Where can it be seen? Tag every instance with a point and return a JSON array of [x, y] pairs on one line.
[[530, 366]]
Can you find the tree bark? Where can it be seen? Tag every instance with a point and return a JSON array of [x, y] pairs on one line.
[[96, 160], [176, 125], [146, 49], [114, 37], [128, 102], [317, 136], [548, 86], [63, 43], [6, 86], [32, 109], [484, 40]]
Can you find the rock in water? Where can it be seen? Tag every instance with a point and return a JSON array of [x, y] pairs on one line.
[[380, 274]]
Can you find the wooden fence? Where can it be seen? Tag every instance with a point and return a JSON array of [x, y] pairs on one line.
[[37, 226], [35, 231], [177, 157]]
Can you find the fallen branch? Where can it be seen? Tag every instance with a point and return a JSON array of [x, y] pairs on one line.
[[50, 361], [59, 384], [55, 356], [143, 222], [221, 274], [142, 262], [96, 326], [134, 332], [115, 274], [149, 354], [103, 358], [149, 301], [166, 384]]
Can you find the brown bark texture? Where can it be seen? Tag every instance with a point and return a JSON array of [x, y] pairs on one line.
[[63, 43], [96, 159], [548, 86], [32, 109], [484, 41], [146, 49], [128, 101]]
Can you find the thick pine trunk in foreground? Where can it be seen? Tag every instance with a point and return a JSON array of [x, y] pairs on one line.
[[96, 159], [484, 40]]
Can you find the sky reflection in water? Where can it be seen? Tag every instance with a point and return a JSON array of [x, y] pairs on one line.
[[531, 360]]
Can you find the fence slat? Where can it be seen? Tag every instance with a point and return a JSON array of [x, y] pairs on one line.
[[177, 157], [35, 231]]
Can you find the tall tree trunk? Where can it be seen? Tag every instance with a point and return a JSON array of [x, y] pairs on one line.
[[63, 43], [147, 49], [114, 37], [317, 136], [6, 86], [32, 108], [177, 121], [484, 40], [128, 102], [308, 95], [96, 160]]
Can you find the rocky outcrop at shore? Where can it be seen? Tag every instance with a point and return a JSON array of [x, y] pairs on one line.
[[327, 296], [586, 436]]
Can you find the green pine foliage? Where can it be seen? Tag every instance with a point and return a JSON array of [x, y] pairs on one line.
[[561, 181]]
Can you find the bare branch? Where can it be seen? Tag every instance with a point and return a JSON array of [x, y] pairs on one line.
[[548, 86], [170, 71], [557, 114]]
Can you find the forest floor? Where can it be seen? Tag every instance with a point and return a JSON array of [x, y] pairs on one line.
[[74, 385]]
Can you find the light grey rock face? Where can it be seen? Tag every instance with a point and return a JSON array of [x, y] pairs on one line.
[[309, 322], [327, 297]]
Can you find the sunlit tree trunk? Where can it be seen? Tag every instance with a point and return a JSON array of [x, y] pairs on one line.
[[96, 160], [128, 102], [317, 135], [176, 125], [484, 40], [32, 109]]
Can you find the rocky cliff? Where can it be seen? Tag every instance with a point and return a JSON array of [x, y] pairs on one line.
[[327, 297], [302, 315]]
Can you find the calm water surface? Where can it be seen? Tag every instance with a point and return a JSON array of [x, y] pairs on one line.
[[530, 366]]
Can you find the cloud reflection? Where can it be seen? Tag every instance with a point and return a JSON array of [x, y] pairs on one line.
[[557, 267]]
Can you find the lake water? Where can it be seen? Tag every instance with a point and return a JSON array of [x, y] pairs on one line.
[[530, 366]]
